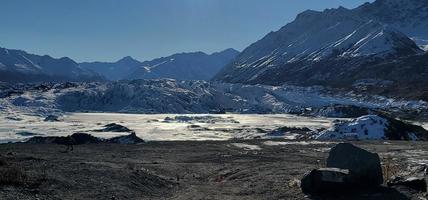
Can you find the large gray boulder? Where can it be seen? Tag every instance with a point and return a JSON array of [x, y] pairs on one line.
[[326, 180], [364, 166]]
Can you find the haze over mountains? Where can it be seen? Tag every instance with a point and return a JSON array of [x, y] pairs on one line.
[[182, 66], [20, 66]]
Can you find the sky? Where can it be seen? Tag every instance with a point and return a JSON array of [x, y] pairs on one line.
[[107, 30]]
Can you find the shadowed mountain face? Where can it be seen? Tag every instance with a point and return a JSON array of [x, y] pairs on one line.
[[113, 71], [338, 47], [20, 66], [183, 66]]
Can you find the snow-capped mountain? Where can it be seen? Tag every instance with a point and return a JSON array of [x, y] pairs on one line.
[[20, 66], [329, 47], [407, 16], [183, 66]]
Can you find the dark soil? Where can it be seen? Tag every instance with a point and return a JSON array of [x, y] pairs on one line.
[[184, 170]]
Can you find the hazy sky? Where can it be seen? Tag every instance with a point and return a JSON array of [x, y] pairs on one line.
[[106, 30]]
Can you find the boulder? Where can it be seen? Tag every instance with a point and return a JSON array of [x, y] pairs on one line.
[[113, 127], [26, 133], [75, 139], [127, 139], [414, 183], [52, 118], [326, 181], [84, 138], [364, 166]]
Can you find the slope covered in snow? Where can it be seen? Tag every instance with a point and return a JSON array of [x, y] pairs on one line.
[[373, 127], [20, 66], [366, 127]]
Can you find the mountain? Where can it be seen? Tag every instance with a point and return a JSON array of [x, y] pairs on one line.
[[332, 47], [20, 66], [113, 71], [183, 66], [407, 16]]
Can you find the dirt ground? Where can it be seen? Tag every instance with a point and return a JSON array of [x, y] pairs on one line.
[[255, 169]]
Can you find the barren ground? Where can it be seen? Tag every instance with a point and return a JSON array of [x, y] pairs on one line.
[[184, 170]]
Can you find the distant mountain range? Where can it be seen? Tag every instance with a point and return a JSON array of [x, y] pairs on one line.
[[182, 66], [382, 41], [20, 66], [379, 48]]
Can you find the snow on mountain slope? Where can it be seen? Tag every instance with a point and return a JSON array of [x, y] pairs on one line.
[[20, 66], [113, 71], [407, 16], [317, 36], [184, 66]]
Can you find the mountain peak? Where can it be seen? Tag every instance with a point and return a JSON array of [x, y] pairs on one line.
[[228, 52], [332, 35], [127, 59], [307, 14]]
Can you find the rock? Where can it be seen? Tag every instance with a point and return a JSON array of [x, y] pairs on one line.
[[168, 119], [364, 166], [113, 127], [128, 139], [52, 118], [14, 118], [26, 133], [326, 181], [84, 138], [287, 130], [75, 139], [418, 184], [43, 140]]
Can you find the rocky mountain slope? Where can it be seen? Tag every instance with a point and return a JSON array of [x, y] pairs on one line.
[[183, 66], [20, 66], [407, 16], [338, 47], [113, 71]]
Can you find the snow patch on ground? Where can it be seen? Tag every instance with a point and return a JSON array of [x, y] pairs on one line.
[[304, 143], [247, 146]]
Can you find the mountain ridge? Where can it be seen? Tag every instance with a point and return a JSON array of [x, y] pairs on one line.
[[20, 66], [193, 65], [326, 47]]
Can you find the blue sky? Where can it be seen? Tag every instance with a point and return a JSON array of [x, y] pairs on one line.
[[107, 30]]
